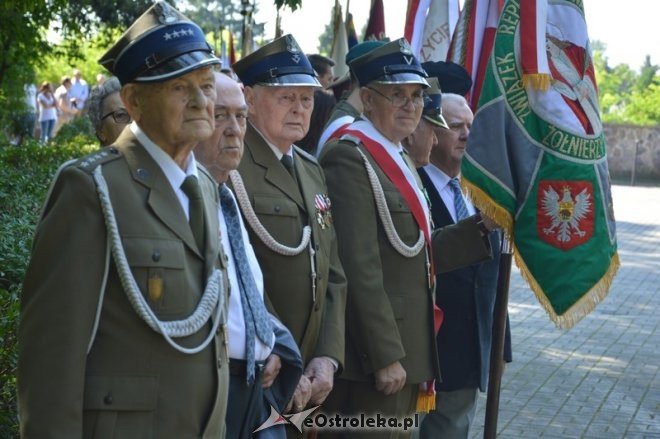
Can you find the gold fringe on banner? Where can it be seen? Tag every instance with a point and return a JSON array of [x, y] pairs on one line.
[[485, 204], [425, 401], [538, 81], [584, 305]]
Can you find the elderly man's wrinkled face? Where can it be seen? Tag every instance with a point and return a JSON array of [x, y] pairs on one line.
[[420, 142], [394, 109], [114, 119], [177, 113], [222, 152], [449, 151], [281, 114]]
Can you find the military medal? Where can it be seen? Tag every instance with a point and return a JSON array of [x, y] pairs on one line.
[[323, 214], [155, 287]]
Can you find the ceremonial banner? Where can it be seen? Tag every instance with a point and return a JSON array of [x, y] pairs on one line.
[[351, 35], [376, 25], [536, 161], [429, 27], [339, 42], [472, 41]]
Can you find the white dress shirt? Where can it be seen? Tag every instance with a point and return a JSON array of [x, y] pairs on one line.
[[441, 182]]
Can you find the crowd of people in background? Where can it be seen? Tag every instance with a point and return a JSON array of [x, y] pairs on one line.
[[48, 107]]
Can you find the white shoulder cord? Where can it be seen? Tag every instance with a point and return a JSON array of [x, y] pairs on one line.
[[211, 299], [259, 229], [251, 218], [383, 212]]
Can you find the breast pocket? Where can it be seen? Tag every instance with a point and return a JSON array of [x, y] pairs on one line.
[[119, 406], [402, 217], [158, 267], [281, 217]]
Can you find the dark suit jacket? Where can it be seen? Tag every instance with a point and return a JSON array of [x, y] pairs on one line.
[[467, 297], [284, 208], [389, 309], [132, 383]]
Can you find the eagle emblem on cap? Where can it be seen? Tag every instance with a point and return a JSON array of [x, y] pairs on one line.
[[292, 45], [405, 47], [166, 14]]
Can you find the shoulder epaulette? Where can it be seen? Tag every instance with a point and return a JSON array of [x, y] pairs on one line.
[[95, 159], [304, 154], [351, 139]]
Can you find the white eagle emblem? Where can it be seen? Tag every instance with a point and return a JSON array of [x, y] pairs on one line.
[[565, 213]]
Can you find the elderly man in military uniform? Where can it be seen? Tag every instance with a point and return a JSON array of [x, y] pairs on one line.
[[419, 143], [349, 107], [268, 370], [283, 197], [124, 299], [386, 246]]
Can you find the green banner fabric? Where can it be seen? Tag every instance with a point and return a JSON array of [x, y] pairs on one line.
[[536, 163]]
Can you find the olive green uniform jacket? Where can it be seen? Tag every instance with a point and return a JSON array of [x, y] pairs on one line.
[[131, 384], [389, 311], [284, 208]]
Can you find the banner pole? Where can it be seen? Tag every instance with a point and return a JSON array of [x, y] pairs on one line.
[[497, 345]]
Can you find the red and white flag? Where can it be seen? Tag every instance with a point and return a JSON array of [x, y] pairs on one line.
[[429, 27], [472, 41]]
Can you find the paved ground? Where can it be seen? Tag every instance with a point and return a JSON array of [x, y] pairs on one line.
[[600, 379]]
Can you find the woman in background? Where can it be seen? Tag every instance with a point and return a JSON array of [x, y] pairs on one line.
[[47, 111], [106, 111]]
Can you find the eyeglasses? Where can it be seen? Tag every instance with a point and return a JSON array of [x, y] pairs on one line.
[[119, 116], [399, 100]]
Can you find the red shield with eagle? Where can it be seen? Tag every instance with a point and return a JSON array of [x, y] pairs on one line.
[[565, 212]]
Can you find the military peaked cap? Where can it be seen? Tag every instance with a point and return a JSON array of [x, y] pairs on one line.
[[391, 63], [161, 44], [279, 63]]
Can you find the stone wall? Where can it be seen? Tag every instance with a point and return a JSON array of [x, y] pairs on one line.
[[628, 145]]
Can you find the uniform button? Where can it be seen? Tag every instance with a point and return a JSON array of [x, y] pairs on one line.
[[142, 173], [108, 399], [317, 247], [155, 256], [319, 277], [219, 363], [316, 307], [277, 208]]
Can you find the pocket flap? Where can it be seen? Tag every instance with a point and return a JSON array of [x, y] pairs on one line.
[[396, 202], [131, 393], [274, 206], [154, 252]]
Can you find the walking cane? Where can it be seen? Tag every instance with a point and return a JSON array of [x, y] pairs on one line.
[[497, 346]]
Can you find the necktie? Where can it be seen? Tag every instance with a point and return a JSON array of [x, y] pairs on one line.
[[191, 188], [255, 315], [287, 162], [459, 202]]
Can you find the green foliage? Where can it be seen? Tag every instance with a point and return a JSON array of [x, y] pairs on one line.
[[626, 96], [293, 4], [644, 106], [59, 63], [25, 174]]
